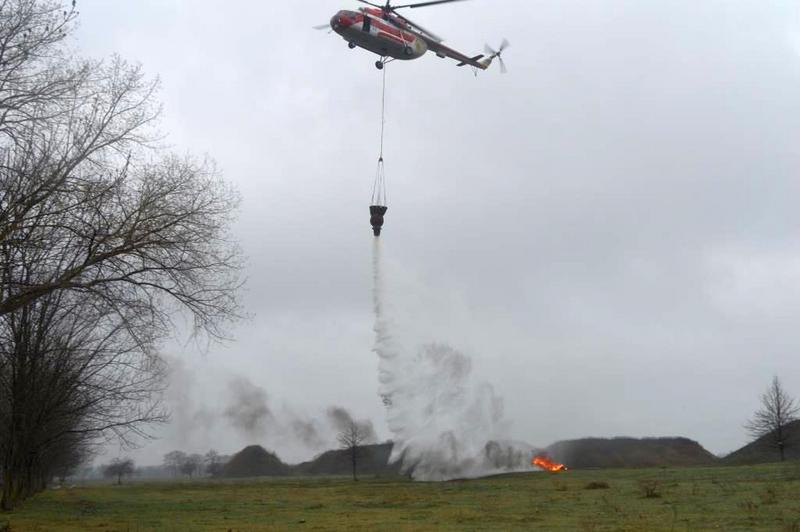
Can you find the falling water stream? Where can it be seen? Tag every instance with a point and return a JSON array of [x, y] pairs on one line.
[[444, 423]]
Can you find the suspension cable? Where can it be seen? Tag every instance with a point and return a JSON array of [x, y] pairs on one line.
[[383, 111], [379, 194]]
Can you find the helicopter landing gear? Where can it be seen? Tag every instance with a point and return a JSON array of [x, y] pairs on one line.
[[351, 45], [379, 65]]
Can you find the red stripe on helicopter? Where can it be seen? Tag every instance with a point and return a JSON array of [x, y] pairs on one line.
[[385, 35]]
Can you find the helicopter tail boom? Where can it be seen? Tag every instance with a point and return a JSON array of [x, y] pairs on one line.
[[474, 61]]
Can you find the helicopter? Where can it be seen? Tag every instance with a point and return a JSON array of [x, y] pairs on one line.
[[383, 31]]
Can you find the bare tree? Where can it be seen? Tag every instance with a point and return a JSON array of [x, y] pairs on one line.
[[192, 465], [37, 79], [174, 461], [770, 422], [65, 459], [103, 237], [351, 437], [119, 467], [69, 374], [143, 235], [213, 463], [83, 184]]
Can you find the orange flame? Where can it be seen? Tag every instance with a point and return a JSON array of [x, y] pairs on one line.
[[548, 465]]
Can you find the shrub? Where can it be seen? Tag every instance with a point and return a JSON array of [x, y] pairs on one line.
[[650, 488], [769, 495]]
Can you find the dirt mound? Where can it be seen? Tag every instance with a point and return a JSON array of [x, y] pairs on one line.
[[762, 450], [371, 460], [630, 452], [254, 461]]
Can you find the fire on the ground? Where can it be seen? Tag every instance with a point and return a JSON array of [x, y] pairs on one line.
[[545, 463]]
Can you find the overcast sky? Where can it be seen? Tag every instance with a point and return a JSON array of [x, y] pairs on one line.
[[610, 230]]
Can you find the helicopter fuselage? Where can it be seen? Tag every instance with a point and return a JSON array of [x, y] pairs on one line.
[[379, 35]]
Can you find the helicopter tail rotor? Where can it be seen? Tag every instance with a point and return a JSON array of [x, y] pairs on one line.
[[498, 54]]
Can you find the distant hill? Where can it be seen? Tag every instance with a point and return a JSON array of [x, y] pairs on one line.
[[371, 460], [760, 450], [629, 452], [254, 461]]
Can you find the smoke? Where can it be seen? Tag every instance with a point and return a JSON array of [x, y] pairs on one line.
[[341, 420], [231, 411], [248, 410], [339, 417], [190, 420], [445, 424], [307, 433]]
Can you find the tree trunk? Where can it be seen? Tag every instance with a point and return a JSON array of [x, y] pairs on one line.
[[353, 458], [14, 476], [13, 488], [5, 497]]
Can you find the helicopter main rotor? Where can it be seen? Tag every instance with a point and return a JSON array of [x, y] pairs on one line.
[[390, 9]]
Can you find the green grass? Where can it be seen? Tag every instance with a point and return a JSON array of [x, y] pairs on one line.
[[765, 497]]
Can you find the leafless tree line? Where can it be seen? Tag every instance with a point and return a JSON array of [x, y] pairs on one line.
[[103, 237], [181, 463]]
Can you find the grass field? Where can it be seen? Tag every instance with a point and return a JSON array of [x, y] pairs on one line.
[[720, 498]]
